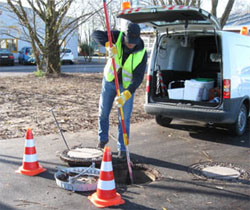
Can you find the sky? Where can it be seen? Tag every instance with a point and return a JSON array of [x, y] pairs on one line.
[[206, 5]]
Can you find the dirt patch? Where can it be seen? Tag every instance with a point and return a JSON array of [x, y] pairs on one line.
[[25, 102]]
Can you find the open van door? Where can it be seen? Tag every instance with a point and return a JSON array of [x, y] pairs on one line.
[[176, 17]]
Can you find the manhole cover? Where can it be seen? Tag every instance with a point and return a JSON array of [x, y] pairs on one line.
[[142, 174], [82, 156], [85, 153], [221, 171]]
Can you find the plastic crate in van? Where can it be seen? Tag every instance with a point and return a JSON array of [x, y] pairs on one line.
[[176, 93], [207, 85], [176, 84], [197, 89]]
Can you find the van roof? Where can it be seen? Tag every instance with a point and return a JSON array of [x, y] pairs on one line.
[[173, 17]]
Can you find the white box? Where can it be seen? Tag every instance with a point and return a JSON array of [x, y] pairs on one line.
[[176, 93], [207, 87], [197, 90], [193, 90]]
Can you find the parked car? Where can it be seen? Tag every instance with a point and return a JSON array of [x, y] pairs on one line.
[[6, 57], [67, 56], [26, 56], [196, 70]]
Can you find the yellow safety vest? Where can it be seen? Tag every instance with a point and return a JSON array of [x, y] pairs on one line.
[[133, 60]]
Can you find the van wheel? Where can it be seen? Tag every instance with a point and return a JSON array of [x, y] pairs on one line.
[[239, 127], [162, 120]]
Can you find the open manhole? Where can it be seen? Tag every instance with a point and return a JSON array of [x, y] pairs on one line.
[[219, 171], [85, 156], [142, 174]]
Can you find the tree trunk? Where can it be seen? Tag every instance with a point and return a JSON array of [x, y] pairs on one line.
[[39, 62], [194, 3], [187, 2], [199, 4], [226, 12], [162, 2], [53, 64], [214, 7]]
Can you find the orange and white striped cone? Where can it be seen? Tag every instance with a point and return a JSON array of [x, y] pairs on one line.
[[163, 86], [106, 194], [30, 166]]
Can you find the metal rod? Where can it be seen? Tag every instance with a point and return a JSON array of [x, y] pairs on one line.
[[72, 178], [125, 136], [51, 110]]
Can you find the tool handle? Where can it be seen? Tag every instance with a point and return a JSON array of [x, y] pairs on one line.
[[125, 137], [57, 124]]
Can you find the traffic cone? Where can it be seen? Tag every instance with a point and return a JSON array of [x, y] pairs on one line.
[[30, 165], [106, 194]]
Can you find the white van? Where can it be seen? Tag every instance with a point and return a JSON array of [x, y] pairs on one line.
[[196, 71]]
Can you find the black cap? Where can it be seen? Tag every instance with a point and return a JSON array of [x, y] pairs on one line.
[[133, 33]]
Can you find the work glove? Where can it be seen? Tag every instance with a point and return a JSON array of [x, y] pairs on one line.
[[120, 100], [112, 51]]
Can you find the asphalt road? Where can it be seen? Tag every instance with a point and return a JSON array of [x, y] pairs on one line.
[[171, 151], [66, 68]]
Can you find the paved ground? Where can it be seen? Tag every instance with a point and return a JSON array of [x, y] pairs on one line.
[[169, 150], [81, 66]]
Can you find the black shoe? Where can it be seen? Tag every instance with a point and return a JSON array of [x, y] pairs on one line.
[[122, 156], [101, 144]]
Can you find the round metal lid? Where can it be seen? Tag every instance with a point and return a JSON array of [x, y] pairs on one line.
[[220, 172], [82, 156], [85, 153]]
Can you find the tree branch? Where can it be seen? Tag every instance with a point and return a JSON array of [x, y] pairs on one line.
[[40, 14], [226, 12], [214, 7]]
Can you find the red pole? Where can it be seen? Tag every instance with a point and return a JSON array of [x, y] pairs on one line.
[[125, 136]]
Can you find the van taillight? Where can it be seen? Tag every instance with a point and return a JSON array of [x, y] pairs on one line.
[[148, 82], [226, 88]]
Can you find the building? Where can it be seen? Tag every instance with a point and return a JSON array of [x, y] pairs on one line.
[[236, 21], [14, 37]]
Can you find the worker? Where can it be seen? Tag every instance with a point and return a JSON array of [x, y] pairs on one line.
[[130, 58]]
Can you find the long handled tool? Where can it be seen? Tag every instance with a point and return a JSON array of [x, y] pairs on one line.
[[51, 110], [125, 136]]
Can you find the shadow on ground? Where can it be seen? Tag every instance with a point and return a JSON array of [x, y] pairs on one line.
[[214, 133]]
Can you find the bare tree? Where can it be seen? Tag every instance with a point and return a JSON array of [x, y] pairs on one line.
[[97, 21], [241, 7], [214, 7], [226, 12], [196, 3], [57, 28]]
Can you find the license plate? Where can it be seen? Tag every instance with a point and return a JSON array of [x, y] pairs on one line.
[[4, 56]]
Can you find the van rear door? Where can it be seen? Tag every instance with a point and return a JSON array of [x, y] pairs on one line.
[[176, 17]]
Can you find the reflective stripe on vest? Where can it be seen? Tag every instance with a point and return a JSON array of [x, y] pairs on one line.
[[128, 67]]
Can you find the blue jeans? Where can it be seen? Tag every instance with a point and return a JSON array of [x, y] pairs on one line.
[[107, 97]]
